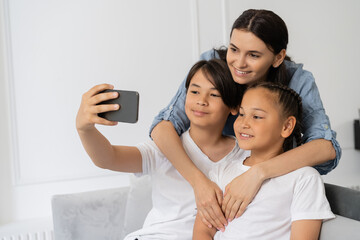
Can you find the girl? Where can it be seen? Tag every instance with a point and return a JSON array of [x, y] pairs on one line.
[[291, 206], [211, 96], [256, 53]]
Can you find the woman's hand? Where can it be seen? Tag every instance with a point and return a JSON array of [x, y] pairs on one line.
[[240, 192], [209, 198], [87, 115]]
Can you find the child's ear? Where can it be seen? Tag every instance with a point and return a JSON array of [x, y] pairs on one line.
[[234, 111], [288, 127]]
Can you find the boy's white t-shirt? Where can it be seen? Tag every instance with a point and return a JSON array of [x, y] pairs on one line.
[[294, 196], [174, 209]]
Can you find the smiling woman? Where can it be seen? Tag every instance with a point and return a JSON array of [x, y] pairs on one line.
[[249, 59]]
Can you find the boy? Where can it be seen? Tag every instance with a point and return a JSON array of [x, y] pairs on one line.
[[211, 96]]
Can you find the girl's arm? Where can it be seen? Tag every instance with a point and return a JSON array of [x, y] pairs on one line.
[[101, 152], [305, 229], [201, 231], [208, 195], [241, 190]]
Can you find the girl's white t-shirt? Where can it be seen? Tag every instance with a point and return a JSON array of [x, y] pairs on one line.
[[294, 196]]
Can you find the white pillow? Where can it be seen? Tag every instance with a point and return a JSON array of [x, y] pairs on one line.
[[138, 203]]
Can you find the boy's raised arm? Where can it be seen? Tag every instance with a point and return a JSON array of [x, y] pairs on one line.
[[101, 152]]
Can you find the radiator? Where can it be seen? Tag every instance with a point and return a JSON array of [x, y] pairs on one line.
[[46, 235]]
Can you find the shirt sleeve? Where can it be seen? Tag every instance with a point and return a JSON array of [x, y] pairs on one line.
[[151, 156], [309, 200], [175, 110], [316, 124]]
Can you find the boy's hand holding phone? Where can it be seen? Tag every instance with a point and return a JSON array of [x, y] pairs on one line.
[[129, 107], [99, 105]]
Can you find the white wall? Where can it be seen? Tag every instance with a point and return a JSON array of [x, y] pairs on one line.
[[53, 51], [56, 51], [6, 206]]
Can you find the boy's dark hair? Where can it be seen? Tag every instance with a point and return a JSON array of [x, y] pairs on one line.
[[272, 30], [291, 105], [218, 73]]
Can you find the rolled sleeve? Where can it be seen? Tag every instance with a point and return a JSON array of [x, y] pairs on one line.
[[326, 133]]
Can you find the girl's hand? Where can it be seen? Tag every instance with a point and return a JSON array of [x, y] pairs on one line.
[[209, 198], [87, 115], [240, 192]]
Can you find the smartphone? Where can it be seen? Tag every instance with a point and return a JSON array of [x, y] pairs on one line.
[[129, 107]]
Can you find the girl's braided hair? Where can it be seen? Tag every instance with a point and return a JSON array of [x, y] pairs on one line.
[[291, 105]]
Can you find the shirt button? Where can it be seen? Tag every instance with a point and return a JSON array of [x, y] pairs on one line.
[[326, 126], [171, 107]]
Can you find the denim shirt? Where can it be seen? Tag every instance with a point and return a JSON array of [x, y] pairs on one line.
[[316, 124]]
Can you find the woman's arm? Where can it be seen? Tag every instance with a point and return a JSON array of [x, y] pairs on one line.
[[208, 195], [309, 154], [201, 232], [241, 190], [315, 122], [101, 152], [171, 146], [305, 229]]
